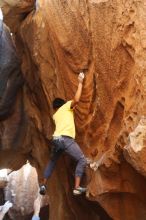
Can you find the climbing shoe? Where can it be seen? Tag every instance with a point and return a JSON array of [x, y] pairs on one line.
[[42, 190], [79, 190]]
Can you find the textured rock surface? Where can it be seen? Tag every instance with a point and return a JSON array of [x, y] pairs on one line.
[[57, 39], [135, 151], [11, 102], [22, 190]]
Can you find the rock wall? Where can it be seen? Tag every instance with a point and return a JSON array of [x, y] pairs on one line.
[[11, 102], [105, 38]]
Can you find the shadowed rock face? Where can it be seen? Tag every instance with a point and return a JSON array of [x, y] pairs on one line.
[[55, 40], [11, 100], [10, 75]]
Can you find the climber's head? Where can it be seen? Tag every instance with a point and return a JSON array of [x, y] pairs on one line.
[[57, 103]]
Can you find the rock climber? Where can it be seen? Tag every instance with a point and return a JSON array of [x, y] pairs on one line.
[[64, 139]]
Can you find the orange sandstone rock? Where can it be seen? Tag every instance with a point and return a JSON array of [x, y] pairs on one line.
[[57, 39]]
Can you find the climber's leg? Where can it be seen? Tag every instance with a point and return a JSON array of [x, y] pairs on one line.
[[51, 165], [72, 148], [57, 150]]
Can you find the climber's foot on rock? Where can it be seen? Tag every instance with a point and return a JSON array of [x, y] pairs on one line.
[[79, 190]]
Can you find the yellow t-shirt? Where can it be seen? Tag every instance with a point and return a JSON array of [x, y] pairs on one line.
[[64, 121]]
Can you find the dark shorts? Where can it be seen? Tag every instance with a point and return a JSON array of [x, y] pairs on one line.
[[69, 146]]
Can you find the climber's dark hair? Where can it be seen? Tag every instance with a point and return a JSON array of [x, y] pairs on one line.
[[58, 102]]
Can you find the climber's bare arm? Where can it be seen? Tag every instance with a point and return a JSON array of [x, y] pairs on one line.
[[79, 90]]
